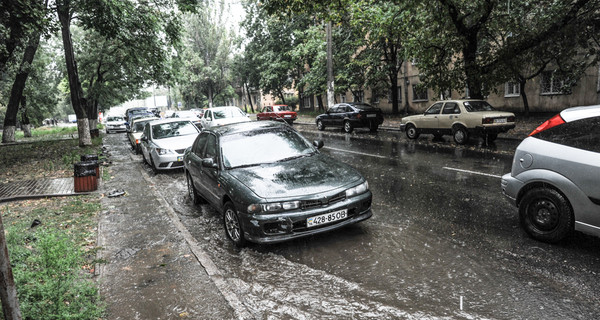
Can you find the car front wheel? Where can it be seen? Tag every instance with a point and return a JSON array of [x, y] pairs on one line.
[[233, 228], [546, 215], [461, 136], [412, 132], [320, 125]]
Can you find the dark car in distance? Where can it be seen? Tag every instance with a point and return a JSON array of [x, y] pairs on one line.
[[271, 184], [351, 115]]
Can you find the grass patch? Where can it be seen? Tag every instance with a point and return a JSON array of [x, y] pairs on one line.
[[53, 262], [43, 159]]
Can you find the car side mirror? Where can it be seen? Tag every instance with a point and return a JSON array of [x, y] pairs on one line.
[[144, 138], [318, 144], [209, 163]]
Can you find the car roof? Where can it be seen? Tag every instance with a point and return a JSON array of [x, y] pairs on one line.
[[577, 113], [245, 127]]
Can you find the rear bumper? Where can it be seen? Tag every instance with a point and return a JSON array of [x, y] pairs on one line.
[[495, 129]]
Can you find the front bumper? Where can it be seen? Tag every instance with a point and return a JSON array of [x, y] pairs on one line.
[[403, 127], [273, 228], [168, 161], [120, 128]]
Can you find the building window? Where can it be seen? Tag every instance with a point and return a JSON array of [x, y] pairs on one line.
[[307, 101], [359, 96], [342, 98], [552, 83], [374, 97], [512, 89], [419, 93]]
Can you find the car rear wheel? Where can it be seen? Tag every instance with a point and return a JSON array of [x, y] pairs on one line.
[[348, 126], [460, 134], [192, 192], [491, 137], [373, 127], [546, 215], [320, 125], [412, 132], [233, 228]]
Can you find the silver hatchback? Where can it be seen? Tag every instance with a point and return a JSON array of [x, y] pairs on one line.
[[555, 176]]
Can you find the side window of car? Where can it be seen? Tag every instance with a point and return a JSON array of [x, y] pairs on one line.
[[450, 108], [211, 147], [434, 109], [582, 134], [198, 146]]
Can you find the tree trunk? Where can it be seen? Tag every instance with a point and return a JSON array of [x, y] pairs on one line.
[[320, 102], [16, 93], [8, 289], [77, 100], [394, 92], [26, 126], [282, 97], [524, 96], [249, 97], [330, 79]]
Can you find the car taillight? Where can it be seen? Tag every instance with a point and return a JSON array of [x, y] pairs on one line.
[[510, 119], [487, 120], [359, 116], [552, 122]]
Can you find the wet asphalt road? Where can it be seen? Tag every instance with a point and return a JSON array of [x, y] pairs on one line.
[[442, 243]]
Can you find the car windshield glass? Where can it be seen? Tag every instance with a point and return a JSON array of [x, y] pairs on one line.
[[363, 106], [139, 125], [264, 146], [474, 106], [173, 129], [115, 119], [228, 113], [282, 108]]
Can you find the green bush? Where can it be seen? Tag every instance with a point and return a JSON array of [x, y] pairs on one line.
[[48, 271]]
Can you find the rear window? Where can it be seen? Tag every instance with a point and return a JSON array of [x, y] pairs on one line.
[[363, 106], [582, 134], [474, 106]]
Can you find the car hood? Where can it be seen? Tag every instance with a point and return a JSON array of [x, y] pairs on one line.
[[298, 177], [176, 143]]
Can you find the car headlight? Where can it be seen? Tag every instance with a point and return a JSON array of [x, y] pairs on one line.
[[359, 189], [162, 151], [273, 207]]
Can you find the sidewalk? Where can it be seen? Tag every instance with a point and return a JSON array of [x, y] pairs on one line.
[[149, 270]]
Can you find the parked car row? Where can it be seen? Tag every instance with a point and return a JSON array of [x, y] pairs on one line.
[[265, 177]]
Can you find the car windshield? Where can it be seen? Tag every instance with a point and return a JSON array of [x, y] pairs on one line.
[[115, 119], [228, 113], [173, 129], [264, 146], [474, 106]]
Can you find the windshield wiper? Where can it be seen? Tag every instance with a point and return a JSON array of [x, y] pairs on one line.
[[245, 166]]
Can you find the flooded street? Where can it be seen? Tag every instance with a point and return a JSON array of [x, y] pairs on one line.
[[442, 243]]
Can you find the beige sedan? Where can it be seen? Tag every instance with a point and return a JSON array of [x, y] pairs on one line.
[[461, 119]]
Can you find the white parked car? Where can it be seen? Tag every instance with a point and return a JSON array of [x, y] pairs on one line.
[[115, 124], [135, 134], [220, 116], [164, 141]]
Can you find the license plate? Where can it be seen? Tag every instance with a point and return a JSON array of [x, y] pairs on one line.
[[502, 120], [326, 218], [371, 116], [287, 116], [180, 158]]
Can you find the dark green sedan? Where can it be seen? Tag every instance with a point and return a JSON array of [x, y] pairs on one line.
[[271, 184]]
